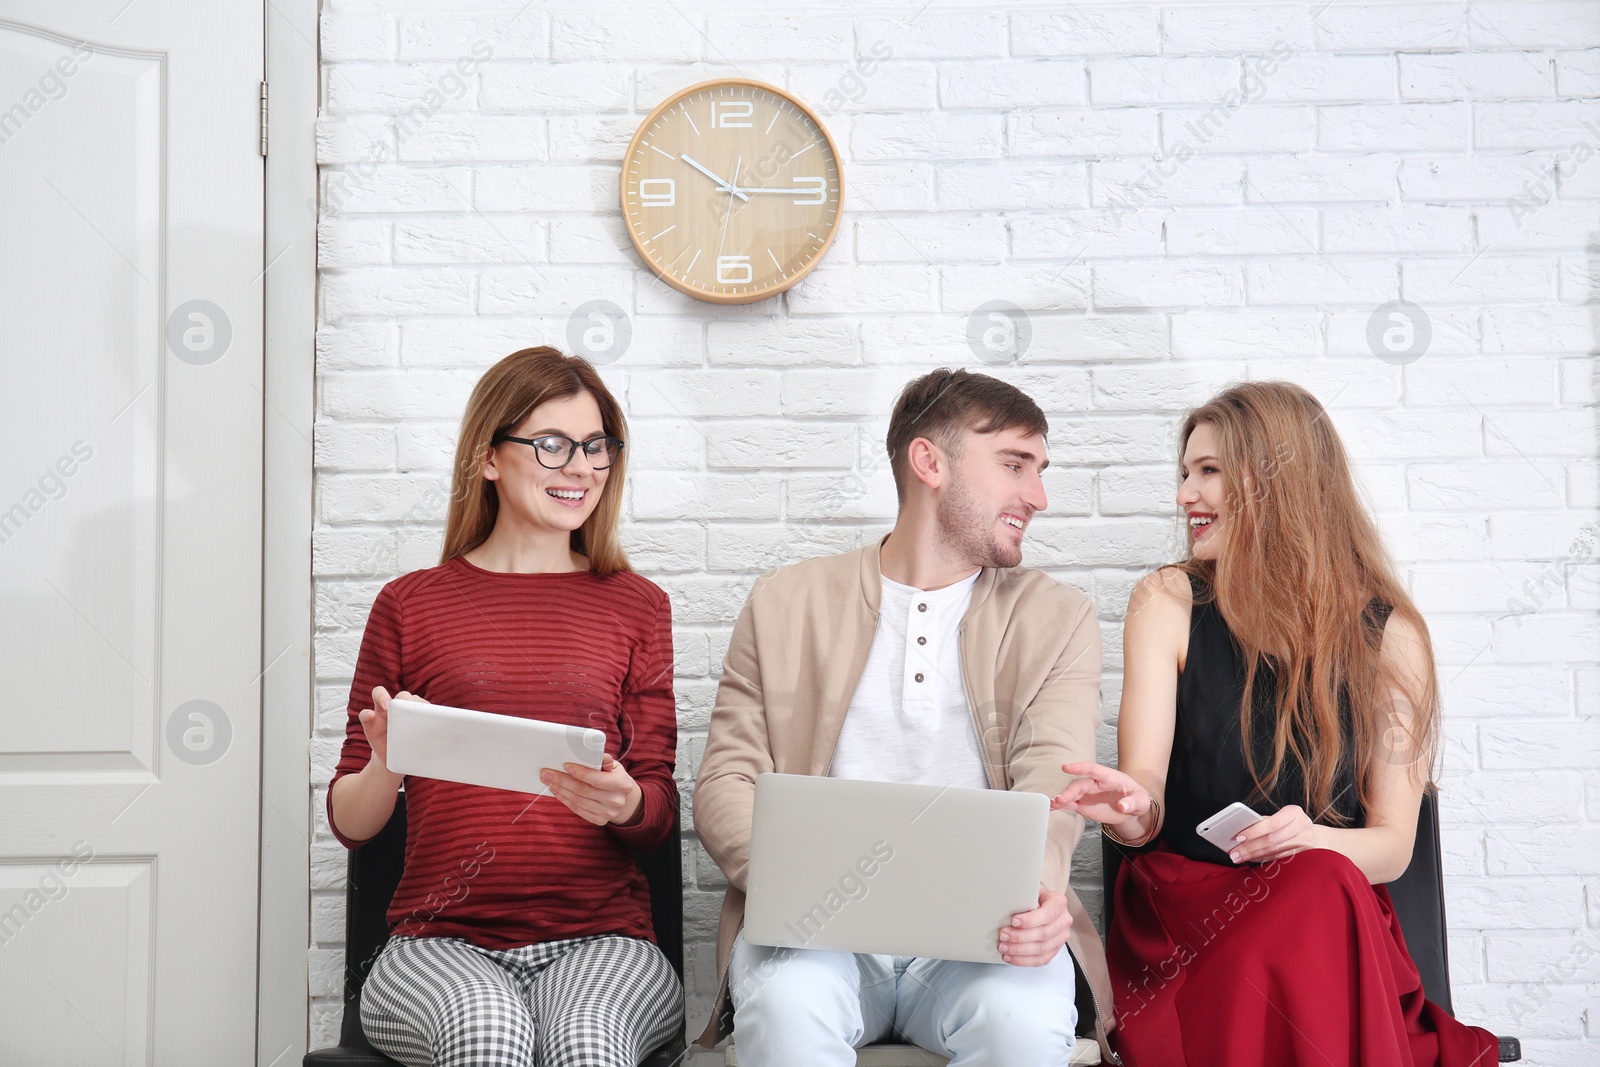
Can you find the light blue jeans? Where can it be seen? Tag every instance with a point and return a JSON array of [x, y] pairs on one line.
[[806, 1006]]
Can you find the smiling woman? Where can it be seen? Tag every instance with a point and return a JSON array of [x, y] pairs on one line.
[[528, 399], [1281, 671], [550, 945]]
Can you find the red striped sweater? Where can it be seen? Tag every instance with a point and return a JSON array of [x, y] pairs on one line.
[[504, 869]]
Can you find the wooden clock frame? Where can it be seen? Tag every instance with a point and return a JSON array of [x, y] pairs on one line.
[[650, 260]]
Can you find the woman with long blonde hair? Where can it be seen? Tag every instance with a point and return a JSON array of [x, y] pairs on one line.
[[520, 931], [1281, 665]]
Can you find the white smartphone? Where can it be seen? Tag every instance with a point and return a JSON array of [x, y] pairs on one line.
[[1227, 824]]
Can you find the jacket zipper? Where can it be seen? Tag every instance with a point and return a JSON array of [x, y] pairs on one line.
[[1099, 1018], [722, 985], [972, 705], [983, 753]]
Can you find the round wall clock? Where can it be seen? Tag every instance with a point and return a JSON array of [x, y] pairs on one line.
[[731, 191]]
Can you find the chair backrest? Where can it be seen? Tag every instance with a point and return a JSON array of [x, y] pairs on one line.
[[1418, 897], [374, 874]]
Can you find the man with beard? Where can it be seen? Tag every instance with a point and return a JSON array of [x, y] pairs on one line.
[[929, 657]]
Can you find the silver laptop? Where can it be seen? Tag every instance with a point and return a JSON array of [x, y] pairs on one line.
[[880, 867]]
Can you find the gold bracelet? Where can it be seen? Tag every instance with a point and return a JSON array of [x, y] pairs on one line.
[[1155, 806]]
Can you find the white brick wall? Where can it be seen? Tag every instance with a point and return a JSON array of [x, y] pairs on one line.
[[1178, 196]]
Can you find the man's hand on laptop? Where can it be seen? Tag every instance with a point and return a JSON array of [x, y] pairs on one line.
[[375, 721], [1034, 937], [609, 795]]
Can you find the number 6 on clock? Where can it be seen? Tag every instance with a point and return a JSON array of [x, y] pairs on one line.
[[734, 270]]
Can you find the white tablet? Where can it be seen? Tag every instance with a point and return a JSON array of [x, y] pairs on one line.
[[482, 748]]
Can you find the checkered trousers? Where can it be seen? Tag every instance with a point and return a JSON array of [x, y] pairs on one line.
[[584, 1002]]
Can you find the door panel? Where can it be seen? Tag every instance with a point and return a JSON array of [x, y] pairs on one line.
[[95, 914], [80, 523], [130, 518]]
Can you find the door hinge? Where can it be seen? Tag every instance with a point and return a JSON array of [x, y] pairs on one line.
[[263, 118]]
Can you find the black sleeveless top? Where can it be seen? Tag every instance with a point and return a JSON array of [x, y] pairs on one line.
[[1207, 771]]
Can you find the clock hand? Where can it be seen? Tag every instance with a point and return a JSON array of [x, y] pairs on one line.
[[729, 216], [722, 186], [748, 189], [814, 187]]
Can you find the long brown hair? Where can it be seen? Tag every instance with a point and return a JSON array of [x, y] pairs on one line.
[[1299, 565], [503, 397]]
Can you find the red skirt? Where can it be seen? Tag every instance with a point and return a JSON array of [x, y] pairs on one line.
[[1300, 961]]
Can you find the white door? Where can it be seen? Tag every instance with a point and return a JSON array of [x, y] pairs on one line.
[[130, 531]]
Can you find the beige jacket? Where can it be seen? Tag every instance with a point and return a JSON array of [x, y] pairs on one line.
[[1030, 661]]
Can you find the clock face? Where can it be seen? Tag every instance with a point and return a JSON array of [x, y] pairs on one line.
[[731, 191]]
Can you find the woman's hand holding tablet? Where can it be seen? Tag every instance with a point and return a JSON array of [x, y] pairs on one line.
[[607, 795], [359, 805], [375, 721]]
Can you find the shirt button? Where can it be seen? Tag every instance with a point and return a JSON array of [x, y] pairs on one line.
[[919, 677], [922, 607], [922, 640]]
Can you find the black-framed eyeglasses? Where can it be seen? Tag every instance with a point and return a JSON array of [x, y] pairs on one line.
[[555, 450]]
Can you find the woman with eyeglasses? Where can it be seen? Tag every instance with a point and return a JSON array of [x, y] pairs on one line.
[[521, 931], [1281, 666]]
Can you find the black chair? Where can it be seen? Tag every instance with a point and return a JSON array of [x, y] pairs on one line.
[[375, 873], [1418, 897]]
